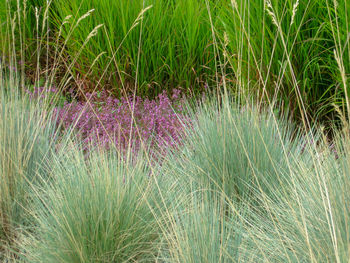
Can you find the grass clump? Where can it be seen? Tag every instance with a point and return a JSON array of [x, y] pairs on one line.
[[27, 135], [97, 210], [236, 149], [290, 202], [200, 229], [310, 224]]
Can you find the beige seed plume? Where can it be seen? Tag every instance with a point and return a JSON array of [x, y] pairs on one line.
[[85, 15], [269, 10], [65, 21], [226, 39], [234, 4], [295, 9], [140, 17], [94, 32]]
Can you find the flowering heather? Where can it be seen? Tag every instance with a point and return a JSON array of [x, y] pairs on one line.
[[103, 119]]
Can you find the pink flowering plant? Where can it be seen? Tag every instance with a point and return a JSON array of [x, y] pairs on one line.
[[128, 122]]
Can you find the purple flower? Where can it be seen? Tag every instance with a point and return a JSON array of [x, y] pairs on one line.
[[104, 120]]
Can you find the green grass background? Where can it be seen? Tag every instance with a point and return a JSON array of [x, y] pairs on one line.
[[192, 44]]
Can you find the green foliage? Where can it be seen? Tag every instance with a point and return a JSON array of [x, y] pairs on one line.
[[275, 50], [286, 50], [165, 47]]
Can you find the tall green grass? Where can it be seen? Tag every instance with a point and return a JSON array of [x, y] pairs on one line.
[[284, 50], [24, 32], [271, 50], [169, 47]]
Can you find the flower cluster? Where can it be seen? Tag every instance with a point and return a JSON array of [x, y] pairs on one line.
[[126, 122]]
